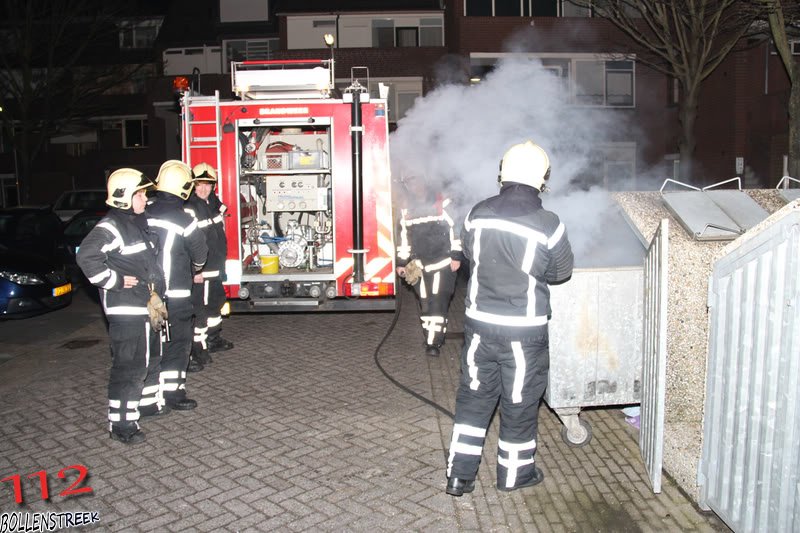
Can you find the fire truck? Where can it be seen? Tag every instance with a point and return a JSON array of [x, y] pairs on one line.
[[304, 172]]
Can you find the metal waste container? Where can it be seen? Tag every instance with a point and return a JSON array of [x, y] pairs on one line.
[[596, 329]]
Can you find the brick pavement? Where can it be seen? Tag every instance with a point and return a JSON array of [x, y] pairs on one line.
[[297, 430]]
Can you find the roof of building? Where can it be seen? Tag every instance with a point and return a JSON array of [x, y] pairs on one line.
[[285, 7]]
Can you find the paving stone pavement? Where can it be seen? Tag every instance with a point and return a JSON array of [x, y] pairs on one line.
[[298, 430]]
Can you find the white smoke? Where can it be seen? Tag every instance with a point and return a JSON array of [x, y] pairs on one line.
[[457, 134]]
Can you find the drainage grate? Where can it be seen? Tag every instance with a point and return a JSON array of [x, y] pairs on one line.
[[78, 344]]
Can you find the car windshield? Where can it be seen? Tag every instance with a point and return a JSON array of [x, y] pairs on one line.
[[81, 200], [81, 226], [7, 225]]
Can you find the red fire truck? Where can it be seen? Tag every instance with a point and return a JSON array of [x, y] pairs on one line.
[[304, 172]]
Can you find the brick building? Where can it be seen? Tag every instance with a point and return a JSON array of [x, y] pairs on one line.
[[413, 46]]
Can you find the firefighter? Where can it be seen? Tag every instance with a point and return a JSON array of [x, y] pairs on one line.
[[428, 257], [515, 248], [183, 253], [120, 256], [208, 295]]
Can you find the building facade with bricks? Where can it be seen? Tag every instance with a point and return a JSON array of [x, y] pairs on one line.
[[413, 46]]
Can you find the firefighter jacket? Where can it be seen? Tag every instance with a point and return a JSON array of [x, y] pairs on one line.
[[121, 244], [183, 246], [515, 249], [210, 224], [427, 233]]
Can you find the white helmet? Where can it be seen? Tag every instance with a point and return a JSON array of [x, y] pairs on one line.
[[175, 177], [123, 184], [204, 172], [525, 163]]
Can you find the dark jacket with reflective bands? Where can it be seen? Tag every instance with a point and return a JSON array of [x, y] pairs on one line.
[[515, 249], [427, 232], [209, 221], [183, 246], [117, 246]]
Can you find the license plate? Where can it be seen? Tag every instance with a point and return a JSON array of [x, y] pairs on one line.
[[63, 289]]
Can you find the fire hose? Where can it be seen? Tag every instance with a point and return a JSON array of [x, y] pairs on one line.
[[394, 382]]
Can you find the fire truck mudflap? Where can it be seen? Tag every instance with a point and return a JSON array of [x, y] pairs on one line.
[[307, 182]]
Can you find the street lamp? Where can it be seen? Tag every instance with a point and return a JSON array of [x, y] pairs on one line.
[[330, 40]]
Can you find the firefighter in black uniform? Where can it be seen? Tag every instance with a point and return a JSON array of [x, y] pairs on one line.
[[208, 295], [515, 248], [119, 256], [183, 253], [428, 257]]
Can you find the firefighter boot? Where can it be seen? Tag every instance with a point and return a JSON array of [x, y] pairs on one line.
[[180, 402], [153, 410], [201, 354], [459, 487], [194, 365], [127, 435], [431, 350], [218, 344]]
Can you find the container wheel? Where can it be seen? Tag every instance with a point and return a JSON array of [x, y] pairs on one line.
[[578, 438]]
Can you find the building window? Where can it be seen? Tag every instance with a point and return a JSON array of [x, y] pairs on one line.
[[523, 8], [383, 33], [603, 83], [140, 34], [431, 32], [248, 50], [402, 94], [324, 23], [478, 8], [406, 37], [134, 133]]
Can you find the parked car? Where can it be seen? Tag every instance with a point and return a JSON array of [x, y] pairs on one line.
[[35, 230], [75, 231], [72, 202], [32, 275]]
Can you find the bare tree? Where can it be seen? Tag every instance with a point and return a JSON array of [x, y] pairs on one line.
[[784, 17], [53, 70], [686, 40]]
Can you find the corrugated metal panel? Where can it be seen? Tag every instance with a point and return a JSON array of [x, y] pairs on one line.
[[750, 463], [654, 355], [596, 339]]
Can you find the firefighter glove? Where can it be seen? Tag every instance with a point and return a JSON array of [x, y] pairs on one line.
[[413, 272], [157, 311]]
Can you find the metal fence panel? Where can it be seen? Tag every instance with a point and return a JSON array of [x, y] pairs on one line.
[[750, 463], [654, 355]]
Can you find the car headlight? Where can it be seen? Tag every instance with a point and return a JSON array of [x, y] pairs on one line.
[[21, 278]]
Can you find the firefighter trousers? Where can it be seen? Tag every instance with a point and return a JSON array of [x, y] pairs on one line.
[[513, 372], [175, 352], [135, 354], [435, 290], [207, 300]]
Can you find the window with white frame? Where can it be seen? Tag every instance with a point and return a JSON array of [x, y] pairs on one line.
[[431, 32], [248, 50], [590, 79], [603, 83], [407, 37], [403, 92], [425, 31], [531, 8], [138, 34], [383, 33], [135, 133]]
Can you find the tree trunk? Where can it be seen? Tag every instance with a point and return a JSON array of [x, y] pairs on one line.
[[687, 116], [794, 123]]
